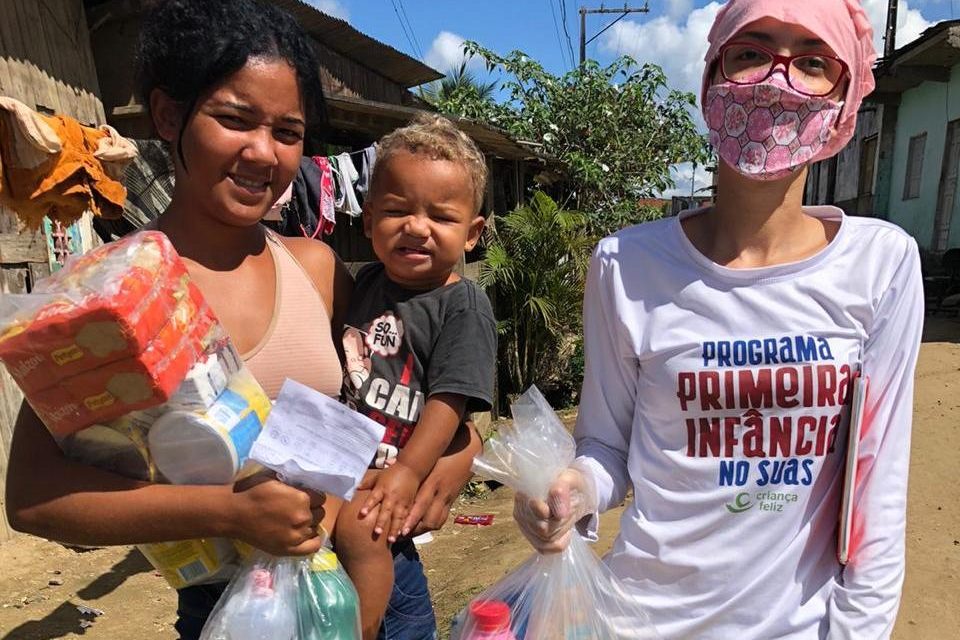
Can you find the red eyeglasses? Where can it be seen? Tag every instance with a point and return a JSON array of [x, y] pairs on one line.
[[815, 75]]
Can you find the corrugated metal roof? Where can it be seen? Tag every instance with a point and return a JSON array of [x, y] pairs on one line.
[[929, 57], [379, 118], [371, 53]]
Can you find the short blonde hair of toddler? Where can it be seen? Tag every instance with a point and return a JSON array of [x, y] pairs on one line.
[[437, 138]]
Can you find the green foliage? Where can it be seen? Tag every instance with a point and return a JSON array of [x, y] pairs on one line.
[[536, 261], [614, 131], [461, 93]]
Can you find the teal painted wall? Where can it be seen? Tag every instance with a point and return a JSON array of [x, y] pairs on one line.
[[926, 108]]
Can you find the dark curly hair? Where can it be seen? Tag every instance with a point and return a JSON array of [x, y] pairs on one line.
[[188, 46]]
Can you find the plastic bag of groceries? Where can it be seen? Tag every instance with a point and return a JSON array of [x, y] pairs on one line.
[[309, 598], [113, 332], [130, 371], [563, 596]]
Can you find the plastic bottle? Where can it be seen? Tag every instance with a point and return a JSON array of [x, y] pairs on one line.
[[263, 614], [327, 603], [491, 621]]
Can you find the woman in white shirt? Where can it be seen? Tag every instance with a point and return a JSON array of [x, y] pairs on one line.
[[721, 347]]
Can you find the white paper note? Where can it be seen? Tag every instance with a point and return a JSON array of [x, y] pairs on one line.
[[313, 441]]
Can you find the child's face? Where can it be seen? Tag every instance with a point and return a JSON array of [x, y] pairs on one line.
[[421, 217]]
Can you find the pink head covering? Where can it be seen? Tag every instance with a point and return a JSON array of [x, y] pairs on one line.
[[842, 24]]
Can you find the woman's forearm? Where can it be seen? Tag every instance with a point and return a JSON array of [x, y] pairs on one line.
[[121, 515], [52, 497]]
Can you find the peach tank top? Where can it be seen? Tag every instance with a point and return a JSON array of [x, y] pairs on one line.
[[298, 343]]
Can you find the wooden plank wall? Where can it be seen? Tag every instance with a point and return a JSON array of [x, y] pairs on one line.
[[45, 62], [45, 58], [342, 76]]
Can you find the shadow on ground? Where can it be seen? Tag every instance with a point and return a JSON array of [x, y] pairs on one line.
[[75, 617]]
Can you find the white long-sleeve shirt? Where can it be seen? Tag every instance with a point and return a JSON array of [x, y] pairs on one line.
[[721, 396]]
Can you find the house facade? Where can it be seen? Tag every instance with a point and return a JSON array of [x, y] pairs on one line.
[[925, 159], [903, 163], [76, 58]]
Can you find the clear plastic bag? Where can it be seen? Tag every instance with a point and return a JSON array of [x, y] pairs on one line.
[[115, 331], [563, 596], [287, 599], [127, 366]]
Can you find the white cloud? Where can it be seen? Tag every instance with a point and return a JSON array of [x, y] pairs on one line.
[[682, 173], [910, 22], [331, 8], [446, 52], [678, 41], [679, 8], [677, 46]]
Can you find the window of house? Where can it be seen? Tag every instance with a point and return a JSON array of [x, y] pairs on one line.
[[868, 160], [911, 184]]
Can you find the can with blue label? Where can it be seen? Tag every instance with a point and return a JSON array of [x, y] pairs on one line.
[[208, 447]]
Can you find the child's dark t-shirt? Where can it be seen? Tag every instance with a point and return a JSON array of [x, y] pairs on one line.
[[402, 346]]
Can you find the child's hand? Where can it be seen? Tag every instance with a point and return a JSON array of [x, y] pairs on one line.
[[394, 491]]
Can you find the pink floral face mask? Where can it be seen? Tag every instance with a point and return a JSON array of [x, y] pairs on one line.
[[767, 130]]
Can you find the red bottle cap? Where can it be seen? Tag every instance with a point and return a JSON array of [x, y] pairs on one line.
[[490, 615]]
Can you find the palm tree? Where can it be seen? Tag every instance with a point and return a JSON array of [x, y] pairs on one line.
[[457, 82], [536, 261]]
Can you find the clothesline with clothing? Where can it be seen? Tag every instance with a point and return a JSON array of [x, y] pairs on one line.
[[324, 186]]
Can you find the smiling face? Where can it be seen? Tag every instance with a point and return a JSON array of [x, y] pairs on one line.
[[242, 144], [421, 216]]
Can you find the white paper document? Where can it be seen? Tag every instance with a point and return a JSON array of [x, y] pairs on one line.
[[313, 441]]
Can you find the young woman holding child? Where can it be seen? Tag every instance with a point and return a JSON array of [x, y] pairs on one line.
[[720, 351], [233, 86]]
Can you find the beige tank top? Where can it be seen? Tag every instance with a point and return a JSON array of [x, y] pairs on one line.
[[298, 343]]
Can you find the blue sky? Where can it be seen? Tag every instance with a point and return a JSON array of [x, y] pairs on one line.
[[672, 34]]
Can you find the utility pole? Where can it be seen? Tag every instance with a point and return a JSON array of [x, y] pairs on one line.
[[623, 13], [890, 37]]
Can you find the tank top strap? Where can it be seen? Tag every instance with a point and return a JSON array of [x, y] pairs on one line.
[[290, 272], [299, 343]]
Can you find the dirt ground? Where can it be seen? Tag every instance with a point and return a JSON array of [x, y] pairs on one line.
[[43, 584]]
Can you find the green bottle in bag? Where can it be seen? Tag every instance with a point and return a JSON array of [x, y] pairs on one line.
[[328, 607]]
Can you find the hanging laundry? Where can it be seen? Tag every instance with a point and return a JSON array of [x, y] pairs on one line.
[[301, 216], [346, 177], [275, 214], [367, 160], [53, 166], [327, 198], [149, 180]]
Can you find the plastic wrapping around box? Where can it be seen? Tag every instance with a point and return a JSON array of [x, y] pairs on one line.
[[211, 446], [191, 562], [103, 306], [120, 447], [113, 344], [141, 381]]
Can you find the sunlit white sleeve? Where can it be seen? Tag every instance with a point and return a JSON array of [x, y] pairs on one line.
[[866, 598], [607, 402]]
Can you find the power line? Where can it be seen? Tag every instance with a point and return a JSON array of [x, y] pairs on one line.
[[403, 9], [566, 32], [584, 12], [601, 32], [556, 31], [406, 33]]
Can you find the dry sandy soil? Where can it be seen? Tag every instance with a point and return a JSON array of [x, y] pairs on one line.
[[42, 584]]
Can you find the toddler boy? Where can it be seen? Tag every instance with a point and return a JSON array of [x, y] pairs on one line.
[[419, 342]]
